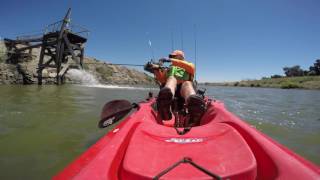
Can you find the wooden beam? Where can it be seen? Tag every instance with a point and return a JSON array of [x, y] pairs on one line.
[[29, 47], [81, 57], [40, 68], [64, 23], [66, 40], [48, 62], [59, 60], [64, 69], [49, 65], [75, 46]]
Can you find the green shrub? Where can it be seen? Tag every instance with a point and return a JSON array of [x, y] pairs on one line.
[[276, 76], [85, 66], [289, 85], [105, 70]]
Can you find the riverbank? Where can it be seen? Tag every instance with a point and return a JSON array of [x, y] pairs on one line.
[[302, 82], [20, 70]]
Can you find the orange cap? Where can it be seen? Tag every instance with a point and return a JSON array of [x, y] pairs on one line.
[[177, 53]]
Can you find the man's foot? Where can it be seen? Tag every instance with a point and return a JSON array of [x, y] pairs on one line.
[[164, 102], [196, 108]]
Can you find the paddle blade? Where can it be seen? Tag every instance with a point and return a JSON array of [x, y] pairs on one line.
[[113, 111]]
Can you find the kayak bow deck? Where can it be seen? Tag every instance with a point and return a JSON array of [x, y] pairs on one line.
[[222, 147]]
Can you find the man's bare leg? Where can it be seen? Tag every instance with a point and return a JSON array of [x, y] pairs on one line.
[[187, 90], [195, 104], [171, 84], [165, 98]]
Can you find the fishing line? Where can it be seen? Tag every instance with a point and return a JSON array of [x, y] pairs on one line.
[[195, 50], [172, 41], [181, 34], [117, 64], [150, 46], [153, 58]]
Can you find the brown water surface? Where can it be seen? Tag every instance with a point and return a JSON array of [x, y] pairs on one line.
[[42, 129]]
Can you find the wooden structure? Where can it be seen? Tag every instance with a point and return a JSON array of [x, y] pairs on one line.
[[61, 48]]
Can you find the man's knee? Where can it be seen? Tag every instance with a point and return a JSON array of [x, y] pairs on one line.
[[187, 89], [187, 84], [172, 79], [171, 83]]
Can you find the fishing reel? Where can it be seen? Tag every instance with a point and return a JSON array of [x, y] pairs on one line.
[[152, 65], [148, 67]]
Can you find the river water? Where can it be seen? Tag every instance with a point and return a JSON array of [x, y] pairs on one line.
[[42, 129]]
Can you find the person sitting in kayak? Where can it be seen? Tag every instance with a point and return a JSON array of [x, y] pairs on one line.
[[177, 79]]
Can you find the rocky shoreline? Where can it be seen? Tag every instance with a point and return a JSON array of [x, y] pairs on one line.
[[115, 74], [24, 71]]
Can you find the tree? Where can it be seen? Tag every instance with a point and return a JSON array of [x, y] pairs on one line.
[[276, 76], [293, 71], [306, 72], [315, 69]]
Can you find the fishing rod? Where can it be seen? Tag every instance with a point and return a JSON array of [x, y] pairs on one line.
[[150, 45], [124, 64], [195, 50], [172, 46], [181, 39], [181, 36], [117, 64]]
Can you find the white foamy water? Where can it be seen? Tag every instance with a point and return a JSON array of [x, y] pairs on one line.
[[83, 77], [89, 80], [122, 87]]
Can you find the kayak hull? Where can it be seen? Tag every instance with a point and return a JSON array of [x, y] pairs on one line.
[[223, 145]]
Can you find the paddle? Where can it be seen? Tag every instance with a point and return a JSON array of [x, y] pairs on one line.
[[113, 111]]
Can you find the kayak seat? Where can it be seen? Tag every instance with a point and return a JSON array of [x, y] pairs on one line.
[[217, 147]]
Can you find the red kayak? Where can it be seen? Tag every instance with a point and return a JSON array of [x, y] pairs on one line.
[[222, 147]]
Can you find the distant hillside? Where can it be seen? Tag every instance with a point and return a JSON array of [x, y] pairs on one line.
[[295, 77], [26, 70], [114, 74]]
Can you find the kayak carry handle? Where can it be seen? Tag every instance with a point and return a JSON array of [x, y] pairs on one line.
[[187, 160]]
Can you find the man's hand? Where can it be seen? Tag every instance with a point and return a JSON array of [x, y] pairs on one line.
[[163, 60], [150, 67]]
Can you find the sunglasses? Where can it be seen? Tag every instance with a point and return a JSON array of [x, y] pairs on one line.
[[172, 56]]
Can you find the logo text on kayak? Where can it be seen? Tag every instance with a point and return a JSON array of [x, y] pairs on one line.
[[184, 140]]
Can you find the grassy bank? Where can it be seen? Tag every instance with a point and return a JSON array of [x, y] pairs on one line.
[[303, 82]]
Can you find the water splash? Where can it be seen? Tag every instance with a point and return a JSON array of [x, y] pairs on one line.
[[123, 87], [85, 78], [82, 77]]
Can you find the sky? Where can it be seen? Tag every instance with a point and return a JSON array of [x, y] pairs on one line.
[[232, 39]]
